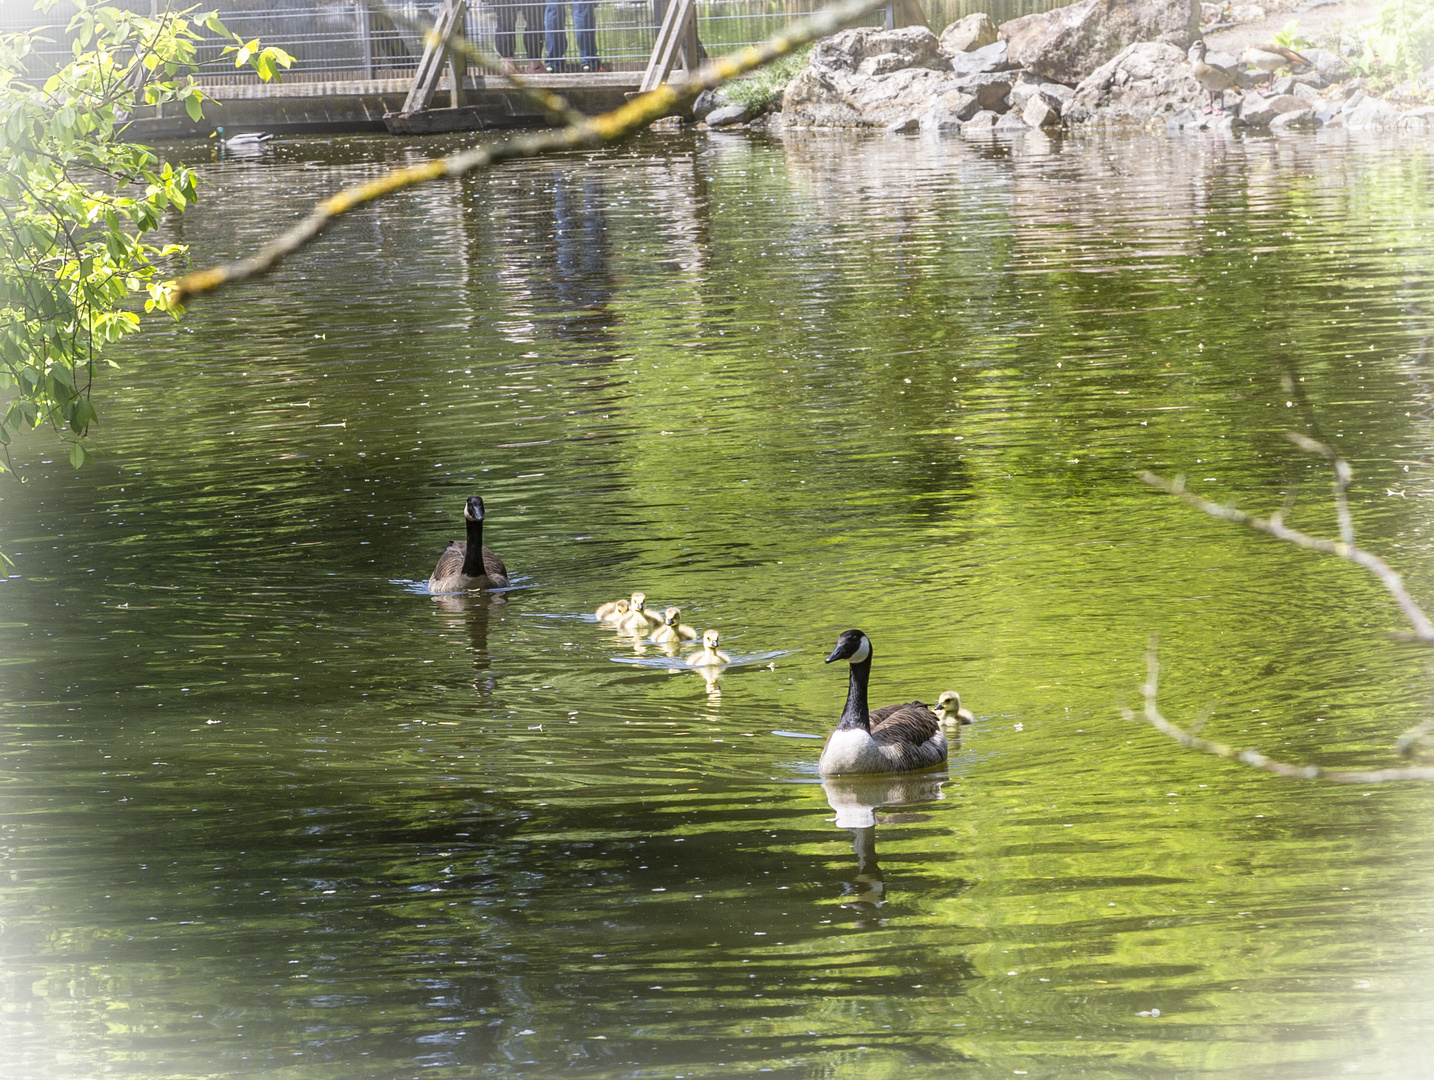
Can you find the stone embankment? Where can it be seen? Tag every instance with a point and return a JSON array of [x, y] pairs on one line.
[[1095, 62]]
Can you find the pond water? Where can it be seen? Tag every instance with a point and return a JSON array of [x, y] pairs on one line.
[[272, 810]]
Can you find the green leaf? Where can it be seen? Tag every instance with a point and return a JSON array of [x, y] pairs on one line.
[[77, 455], [193, 107]]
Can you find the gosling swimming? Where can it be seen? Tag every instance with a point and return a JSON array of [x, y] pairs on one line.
[[948, 708], [896, 738], [672, 628], [709, 655], [613, 610], [467, 564], [639, 620]]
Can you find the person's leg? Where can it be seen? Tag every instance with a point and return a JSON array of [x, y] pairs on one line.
[[556, 34], [585, 27]]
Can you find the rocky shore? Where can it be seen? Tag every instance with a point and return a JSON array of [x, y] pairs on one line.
[[1092, 63]]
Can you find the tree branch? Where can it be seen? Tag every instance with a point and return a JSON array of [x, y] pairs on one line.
[[604, 130], [1254, 758], [1344, 548]]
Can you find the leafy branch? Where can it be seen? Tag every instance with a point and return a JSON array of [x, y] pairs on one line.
[[77, 200]]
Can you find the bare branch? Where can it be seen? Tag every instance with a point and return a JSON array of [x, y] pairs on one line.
[[603, 130], [1254, 758], [1343, 548]]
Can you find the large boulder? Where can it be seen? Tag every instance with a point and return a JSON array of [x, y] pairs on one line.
[[1148, 82], [1069, 43], [867, 77], [968, 34]]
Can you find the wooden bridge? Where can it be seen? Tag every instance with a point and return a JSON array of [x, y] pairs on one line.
[[378, 82]]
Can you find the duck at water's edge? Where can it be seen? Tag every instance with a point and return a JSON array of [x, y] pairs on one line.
[[467, 564], [896, 738]]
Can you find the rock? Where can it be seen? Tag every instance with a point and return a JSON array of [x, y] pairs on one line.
[[1418, 121], [1147, 82], [983, 123], [1260, 111], [1246, 13], [1372, 114], [1069, 43], [1306, 93], [948, 112], [1294, 120], [968, 34], [848, 49], [1058, 92], [1330, 113], [989, 58], [706, 102], [839, 88], [1011, 123], [1331, 67], [990, 89], [727, 115], [1039, 113], [904, 127], [1353, 100], [666, 123]]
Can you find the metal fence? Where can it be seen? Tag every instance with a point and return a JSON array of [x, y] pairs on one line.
[[344, 39]]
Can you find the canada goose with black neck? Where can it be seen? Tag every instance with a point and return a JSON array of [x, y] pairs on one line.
[[467, 564], [896, 738]]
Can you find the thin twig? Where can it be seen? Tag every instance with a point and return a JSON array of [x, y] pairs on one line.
[[604, 130], [1343, 548], [1254, 758]]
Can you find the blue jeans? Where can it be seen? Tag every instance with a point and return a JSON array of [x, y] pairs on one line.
[[585, 25]]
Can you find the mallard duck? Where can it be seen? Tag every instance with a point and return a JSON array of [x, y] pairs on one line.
[[613, 610], [639, 620], [897, 738], [1270, 57], [948, 708], [467, 564], [247, 140], [1213, 77], [672, 628], [709, 655]]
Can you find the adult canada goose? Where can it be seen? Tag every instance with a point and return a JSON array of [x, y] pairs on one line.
[[709, 655], [897, 738], [467, 564], [1214, 78], [1269, 57], [613, 610], [639, 620], [672, 628], [948, 707], [247, 140]]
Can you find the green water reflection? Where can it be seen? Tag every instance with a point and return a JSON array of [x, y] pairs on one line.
[[270, 809]]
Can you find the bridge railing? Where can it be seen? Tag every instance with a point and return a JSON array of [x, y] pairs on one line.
[[343, 39]]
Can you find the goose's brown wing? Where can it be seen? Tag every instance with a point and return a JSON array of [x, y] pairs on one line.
[[494, 568], [910, 723], [451, 561]]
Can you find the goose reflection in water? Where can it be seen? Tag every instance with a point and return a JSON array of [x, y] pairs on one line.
[[468, 613], [856, 800]]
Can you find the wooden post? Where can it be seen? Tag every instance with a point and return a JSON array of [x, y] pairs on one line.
[[901, 13], [678, 33], [457, 60], [430, 65]]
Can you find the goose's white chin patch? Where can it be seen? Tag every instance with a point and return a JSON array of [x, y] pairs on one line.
[[863, 652]]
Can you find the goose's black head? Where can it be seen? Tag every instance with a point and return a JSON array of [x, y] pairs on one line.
[[474, 510], [853, 646]]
